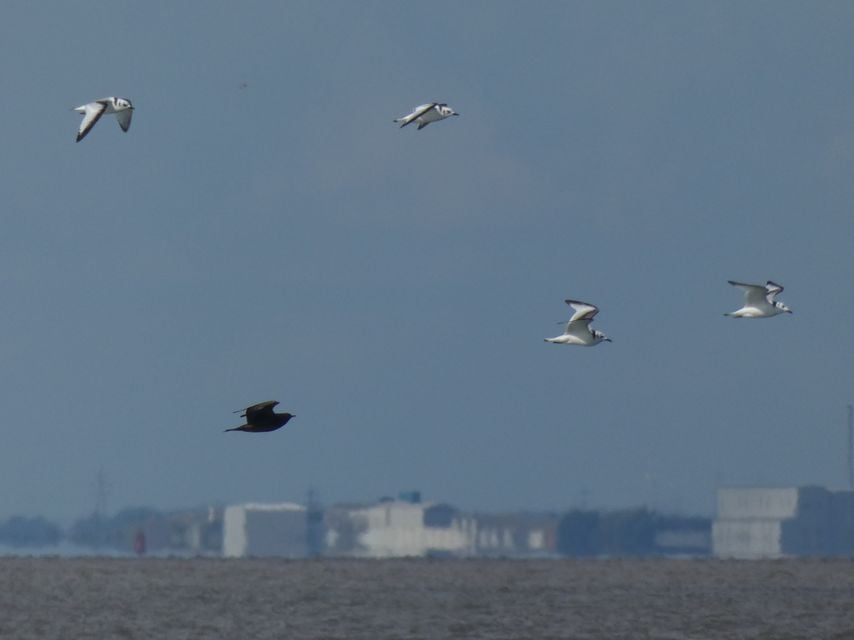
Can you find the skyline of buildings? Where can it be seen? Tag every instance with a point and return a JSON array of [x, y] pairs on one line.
[[750, 522]]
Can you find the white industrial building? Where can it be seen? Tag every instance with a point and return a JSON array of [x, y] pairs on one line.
[[255, 529], [400, 528], [780, 522], [389, 528], [408, 527]]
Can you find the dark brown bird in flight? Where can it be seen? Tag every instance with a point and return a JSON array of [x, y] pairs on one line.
[[260, 418]]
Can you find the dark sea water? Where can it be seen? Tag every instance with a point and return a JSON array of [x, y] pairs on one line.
[[151, 598]]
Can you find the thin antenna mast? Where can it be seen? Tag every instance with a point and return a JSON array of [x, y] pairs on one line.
[[101, 488], [850, 447]]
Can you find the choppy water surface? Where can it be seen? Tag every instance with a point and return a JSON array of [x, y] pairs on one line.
[[244, 599]]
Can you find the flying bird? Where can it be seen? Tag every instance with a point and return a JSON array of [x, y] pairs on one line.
[[93, 111], [427, 113], [578, 330], [759, 301], [260, 418]]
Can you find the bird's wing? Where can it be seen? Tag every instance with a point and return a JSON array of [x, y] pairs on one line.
[[124, 118], [583, 310], [422, 109], [579, 328], [91, 115], [258, 410], [417, 112], [754, 294], [772, 289]]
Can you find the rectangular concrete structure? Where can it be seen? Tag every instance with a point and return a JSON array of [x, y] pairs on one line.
[[255, 529], [755, 522]]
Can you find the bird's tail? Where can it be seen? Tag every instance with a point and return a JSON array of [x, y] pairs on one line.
[[233, 429], [405, 120]]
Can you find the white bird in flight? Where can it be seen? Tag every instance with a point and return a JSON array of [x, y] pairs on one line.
[[93, 111], [578, 331], [759, 301], [427, 113]]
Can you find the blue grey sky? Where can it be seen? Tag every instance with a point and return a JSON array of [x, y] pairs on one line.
[[284, 239]]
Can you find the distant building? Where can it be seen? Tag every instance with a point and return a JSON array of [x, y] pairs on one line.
[[255, 529], [632, 532], [399, 528], [780, 522], [406, 526], [515, 534]]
